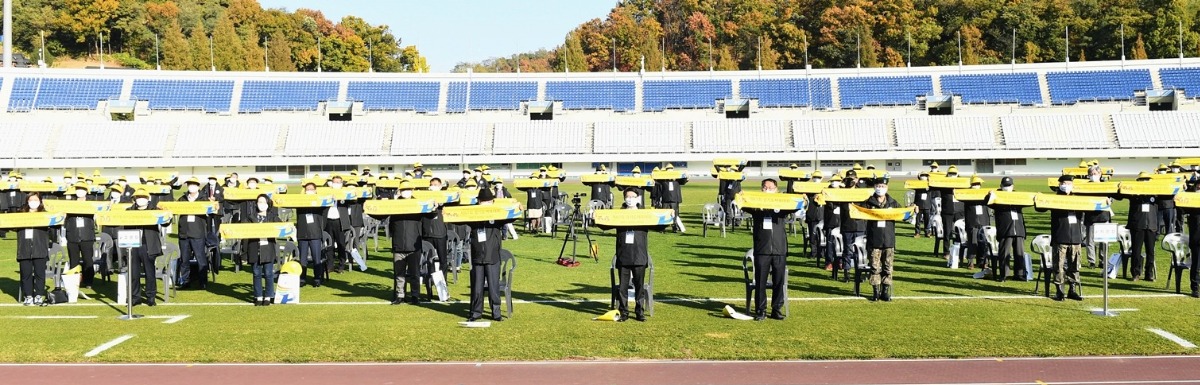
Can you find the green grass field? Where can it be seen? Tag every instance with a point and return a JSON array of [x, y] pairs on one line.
[[948, 314]]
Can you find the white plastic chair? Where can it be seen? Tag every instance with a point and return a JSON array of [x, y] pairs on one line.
[[1041, 246], [1177, 245]]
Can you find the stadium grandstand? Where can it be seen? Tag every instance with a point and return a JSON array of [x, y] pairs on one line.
[[991, 119]]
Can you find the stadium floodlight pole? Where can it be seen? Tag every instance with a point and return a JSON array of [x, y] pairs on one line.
[[663, 60], [614, 54], [370, 57], [1181, 42], [42, 52], [157, 62], [710, 59], [908, 43], [319, 58], [858, 49], [760, 52], [960, 51], [212, 61], [101, 38], [7, 31], [1067, 45], [266, 55], [1122, 43], [1014, 49], [807, 67]]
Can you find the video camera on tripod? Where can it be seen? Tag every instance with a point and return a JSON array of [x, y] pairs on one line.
[[575, 220]]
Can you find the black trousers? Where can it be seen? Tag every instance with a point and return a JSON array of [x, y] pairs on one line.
[[1195, 268], [1140, 264], [772, 268], [638, 275], [1013, 247], [33, 277], [82, 254], [922, 225], [192, 248], [406, 268], [948, 236], [143, 264], [814, 242], [975, 247], [482, 274], [338, 235], [439, 244]]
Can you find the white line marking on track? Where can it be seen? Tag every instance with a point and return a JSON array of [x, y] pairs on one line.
[[108, 345], [170, 319], [660, 299], [1174, 338], [57, 317]]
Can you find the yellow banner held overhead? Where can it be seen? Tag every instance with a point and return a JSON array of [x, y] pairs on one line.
[[27, 220], [468, 197], [245, 194], [870, 174], [633, 218], [1093, 188], [731, 175], [790, 174], [970, 194], [1188, 162], [191, 208], [388, 183], [76, 207], [279, 188], [841, 195], [299, 201], [269, 230], [40, 187], [399, 206], [937, 181], [525, 184], [165, 176], [1011, 198], [808, 187], [341, 194], [770, 201], [916, 184], [1188, 200], [729, 162], [597, 178], [1070, 202], [667, 175], [419, 184], [1149, 188], [134, 218], [900, 214], [635, 181], [159, 189], [1083, 171], [482, 213], [441, 196], [1176, 178]]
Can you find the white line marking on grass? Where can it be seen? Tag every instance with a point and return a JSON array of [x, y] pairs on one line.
[[170, 319], [58, 317], [1174, 338], [108, 345], [659, 299]]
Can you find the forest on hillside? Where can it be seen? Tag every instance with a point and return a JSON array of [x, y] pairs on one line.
[[687, 35]]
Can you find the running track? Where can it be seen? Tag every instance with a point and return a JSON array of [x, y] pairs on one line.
[[1034, 371]]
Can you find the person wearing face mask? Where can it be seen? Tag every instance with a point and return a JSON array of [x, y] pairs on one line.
[[602, 191], [310, 225], [486, 242], [466, 176], [770, 255], [881, 242], [502, 192], [1066, 235], [812, 217], [80, 234], [832, 217], [534, 209], [632, 257], [1193, 227], [192, 232], [126, 190], [1096, 251], [851, 228], [952, 210], [977, 217], [232, 180], [923, 202], [671, 196], [730, 189], [434, 229], [337, 224], [1010, 234], [143, 256], [548, 201], [407, 235], [1143, 228], [33, 245], [262, 253]]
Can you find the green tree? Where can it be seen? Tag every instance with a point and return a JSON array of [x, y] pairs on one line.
[[227, 47], [199, 45], [176, 53]]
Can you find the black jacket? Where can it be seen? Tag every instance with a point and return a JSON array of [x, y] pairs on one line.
[[672, 191], [433, 225], [535, 198], [192, 226], [833, 215], [976, 214], [922, 199], [632, 247], [485, 242], [151, 235], [850, 224], [1143, 212], [1010, 221], [814, 212], [406, 233], [881, 234], [33, 243], [770, 231], [601, 192], [1066, 226], [310, 223], [260, 251]]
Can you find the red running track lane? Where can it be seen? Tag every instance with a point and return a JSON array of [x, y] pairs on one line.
[[1036, 371]]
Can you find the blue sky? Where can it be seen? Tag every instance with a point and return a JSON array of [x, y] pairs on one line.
[[451, 31]]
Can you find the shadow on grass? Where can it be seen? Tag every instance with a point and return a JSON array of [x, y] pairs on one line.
[[714, 309]]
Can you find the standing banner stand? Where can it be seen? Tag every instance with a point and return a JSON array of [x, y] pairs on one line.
[[129, 240], [1105, 233]]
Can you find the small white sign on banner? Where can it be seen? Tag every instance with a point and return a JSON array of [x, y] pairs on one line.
[[1104, 232]]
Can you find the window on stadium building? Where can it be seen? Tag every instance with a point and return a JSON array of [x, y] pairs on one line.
[[270, 168], [1010, 162], [788, 163], [332, 168], [946, 162], [840, 163]]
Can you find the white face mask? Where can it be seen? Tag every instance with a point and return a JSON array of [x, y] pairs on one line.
[[923, 178], [212, 182], [406, 194], [35, 204], [881, 191], [1094, 178], [975, 187], [1006, 188], [1066, 188], [252, 185], [310, 192], [81, 193], [335, 185], [631, 203], [434, 187], [115, 194], [193, 189], [836, 184], [816, 180], [68, 180], [122, 183], [262, 207], [142, 202]]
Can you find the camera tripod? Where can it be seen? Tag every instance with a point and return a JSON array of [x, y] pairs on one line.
[[575, 220]]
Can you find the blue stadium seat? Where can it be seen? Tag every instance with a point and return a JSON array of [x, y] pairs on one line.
[[788, 92], [593, 95], [659, 95], [489, 95], [857, 92], [1187, 79], [395, 96], [283, 95], [1110, 85], [204, 95], [61, 93], [1020, 88]]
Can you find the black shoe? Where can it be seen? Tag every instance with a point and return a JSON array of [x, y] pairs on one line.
[[759, 317], [1058, 294], [874, 293], [398, 301], [415, 300], [1195, 293], [138, 301], [778, 316], [886, 295], [316, 283], [621, 318], [498, 318], [267, 302], [151, 303], [639, 318], [1074, 296], [257, 302]]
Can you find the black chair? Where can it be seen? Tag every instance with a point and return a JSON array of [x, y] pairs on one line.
[[508, 263]]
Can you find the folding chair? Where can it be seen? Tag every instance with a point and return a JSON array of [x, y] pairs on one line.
[[508, 264], [748, 275], [103, 258], [862, 263], [647, 286], [1041, 246], [454, 249], [818, 249], [835, 236], [991, 250], [165, 267], [327, 253], [714, 216], [426, 267], [591, 208], [371, 226], [1177, 245]]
